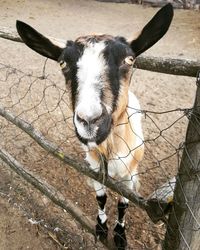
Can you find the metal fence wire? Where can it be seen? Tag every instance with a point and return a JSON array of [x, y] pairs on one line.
[[37, 135]]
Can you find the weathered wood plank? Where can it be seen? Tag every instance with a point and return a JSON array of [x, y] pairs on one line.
[[171, 66]]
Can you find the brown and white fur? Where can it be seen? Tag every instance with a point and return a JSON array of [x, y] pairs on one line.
[[106, 115]]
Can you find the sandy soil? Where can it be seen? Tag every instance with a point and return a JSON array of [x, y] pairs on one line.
[[40, 102]]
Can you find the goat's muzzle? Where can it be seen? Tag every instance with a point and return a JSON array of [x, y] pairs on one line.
[[93, 129]]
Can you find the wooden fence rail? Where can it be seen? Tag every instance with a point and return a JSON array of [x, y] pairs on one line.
[[171, 66]]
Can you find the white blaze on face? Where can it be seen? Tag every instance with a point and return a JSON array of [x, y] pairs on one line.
[[91, 67]]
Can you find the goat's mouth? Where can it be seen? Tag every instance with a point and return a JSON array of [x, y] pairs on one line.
[[93, 133]]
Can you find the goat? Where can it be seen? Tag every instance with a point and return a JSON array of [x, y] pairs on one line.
[[98, 71]]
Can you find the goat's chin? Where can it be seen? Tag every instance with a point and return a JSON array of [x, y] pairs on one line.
[[100, 134]]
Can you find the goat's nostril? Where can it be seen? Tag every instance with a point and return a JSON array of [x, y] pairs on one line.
[[87, 120], [94, 120], [81, 119]]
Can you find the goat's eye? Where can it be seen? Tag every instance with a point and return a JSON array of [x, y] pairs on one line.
[[63, 64], [129, 60]]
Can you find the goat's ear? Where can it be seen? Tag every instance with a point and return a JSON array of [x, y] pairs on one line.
[[153, 31], [38, 42]]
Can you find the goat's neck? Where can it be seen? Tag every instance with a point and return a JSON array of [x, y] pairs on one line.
[[120, 113]]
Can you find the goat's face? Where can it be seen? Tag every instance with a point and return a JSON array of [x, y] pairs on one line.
[[97, 70]]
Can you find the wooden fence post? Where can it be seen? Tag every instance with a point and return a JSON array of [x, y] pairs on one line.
[[183, 229]]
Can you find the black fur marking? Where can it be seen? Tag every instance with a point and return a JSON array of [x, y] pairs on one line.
[[115, 53], [70, 43], [119, 230], [121, 210], [70, 55], [154, 30], [120, 237], [104, 129], [121, 39], [36, 41], [101, 201], [101, 229]]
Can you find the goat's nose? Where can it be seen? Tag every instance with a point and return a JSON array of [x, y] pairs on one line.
[[87, 119]]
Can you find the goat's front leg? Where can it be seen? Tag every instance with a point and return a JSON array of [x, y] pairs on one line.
[[132, 182], [119, 230], [101, 197]]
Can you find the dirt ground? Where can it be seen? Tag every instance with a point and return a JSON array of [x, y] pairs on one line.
[[28, 220]]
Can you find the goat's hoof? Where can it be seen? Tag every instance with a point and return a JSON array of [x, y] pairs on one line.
[[101, 230], [120, 237]]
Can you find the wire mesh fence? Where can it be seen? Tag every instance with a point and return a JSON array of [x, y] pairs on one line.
[[42, 102]]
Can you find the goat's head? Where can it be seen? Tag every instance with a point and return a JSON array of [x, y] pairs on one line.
[[98, 70]]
